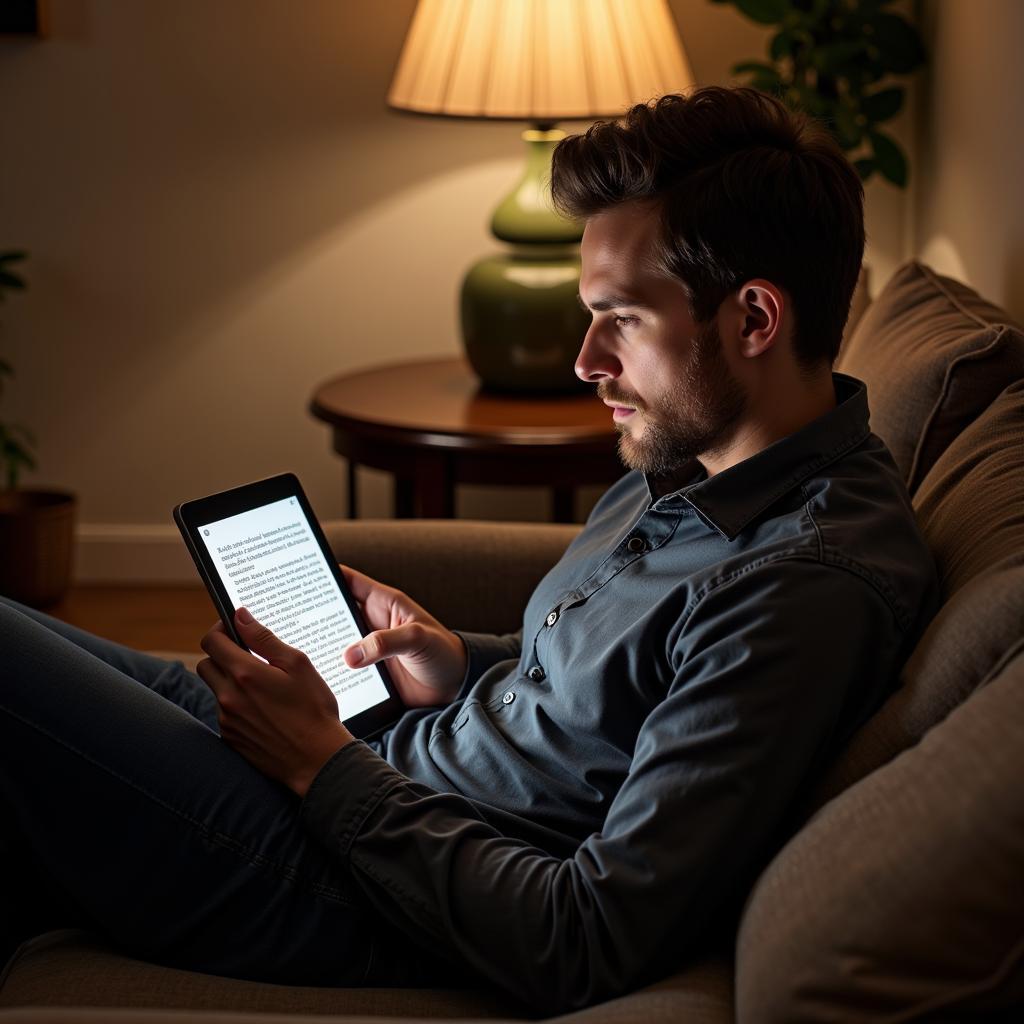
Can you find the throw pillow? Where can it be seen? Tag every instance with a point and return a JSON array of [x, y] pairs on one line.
[[903, 898], [933, 354]]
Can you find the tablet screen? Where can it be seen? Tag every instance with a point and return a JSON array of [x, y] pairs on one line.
[[270, 563]]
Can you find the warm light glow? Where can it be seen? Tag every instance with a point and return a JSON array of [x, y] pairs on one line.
[[538, 60]]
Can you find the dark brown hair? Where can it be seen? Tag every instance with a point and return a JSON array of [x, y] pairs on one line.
[[747, 189]]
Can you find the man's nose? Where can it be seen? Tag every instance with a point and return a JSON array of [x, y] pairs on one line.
[[596, 361]]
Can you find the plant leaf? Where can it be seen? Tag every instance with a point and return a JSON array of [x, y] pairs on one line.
[[781, 45], [847, 131], [26, 435], [810, 100], [8, 280], [762, 76], [15, 453], [832, 58], [882, 105], [889, 158], [898, 42], [765, 12], [865, 167]]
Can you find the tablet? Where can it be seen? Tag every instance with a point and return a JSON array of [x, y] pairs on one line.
[[260, 546]]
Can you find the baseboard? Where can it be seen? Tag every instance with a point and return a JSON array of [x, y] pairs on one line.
[[128, 553]]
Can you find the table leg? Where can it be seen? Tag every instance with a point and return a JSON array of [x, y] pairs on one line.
[[405, 498], [434, 483], [563, 505], [353, 504]]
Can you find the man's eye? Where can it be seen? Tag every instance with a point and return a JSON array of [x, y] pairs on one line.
[[626, 321]]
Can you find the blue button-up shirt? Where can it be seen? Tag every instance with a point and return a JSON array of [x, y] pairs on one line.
[[609, 780]]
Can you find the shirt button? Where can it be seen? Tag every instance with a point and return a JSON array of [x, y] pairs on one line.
[[552, 618], [508, 697], [536, 673], [637, 544]]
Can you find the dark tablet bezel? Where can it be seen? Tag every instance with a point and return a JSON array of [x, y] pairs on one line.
[[192, 516]]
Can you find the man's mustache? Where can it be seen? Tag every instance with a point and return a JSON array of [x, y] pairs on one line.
[[617, 397]]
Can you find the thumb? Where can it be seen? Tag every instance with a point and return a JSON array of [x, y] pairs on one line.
[[385, 643], [258, 638]]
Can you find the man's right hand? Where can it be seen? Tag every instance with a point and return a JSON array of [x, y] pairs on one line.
[[427, 661]]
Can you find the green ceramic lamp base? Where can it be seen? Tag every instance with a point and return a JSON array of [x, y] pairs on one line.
[[522, 324]]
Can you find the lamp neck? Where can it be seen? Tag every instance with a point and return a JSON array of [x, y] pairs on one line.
[[526, 214]]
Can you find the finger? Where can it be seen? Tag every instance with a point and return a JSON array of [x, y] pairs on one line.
[[225, 652], [215, 629], [409, 639], [262, 641], [361, 586], [217, 680]]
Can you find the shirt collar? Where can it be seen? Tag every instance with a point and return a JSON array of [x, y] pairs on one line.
[[729, 501]]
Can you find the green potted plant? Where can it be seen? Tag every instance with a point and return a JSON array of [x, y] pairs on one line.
[[36, 526], [833, 59]]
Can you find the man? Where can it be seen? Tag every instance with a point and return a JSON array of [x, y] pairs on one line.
[[568, 811]]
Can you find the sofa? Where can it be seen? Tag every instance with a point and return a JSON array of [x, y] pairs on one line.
[[900, 896]]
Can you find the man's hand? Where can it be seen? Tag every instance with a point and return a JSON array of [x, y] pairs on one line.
[[281, 717], [428, 662]]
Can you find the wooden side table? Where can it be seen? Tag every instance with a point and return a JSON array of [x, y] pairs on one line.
[[430, 424]]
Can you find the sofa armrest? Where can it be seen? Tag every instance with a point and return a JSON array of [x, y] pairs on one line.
[[74, 977], [476, 576]]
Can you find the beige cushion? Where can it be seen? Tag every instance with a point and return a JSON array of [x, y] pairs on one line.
[[475, 576], [75, 968], [971, 506], [906, 893], [72, 968], [933, 354], [971, 510]]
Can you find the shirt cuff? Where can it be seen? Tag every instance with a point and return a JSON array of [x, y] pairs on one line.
[[483, 651], [345, 792]]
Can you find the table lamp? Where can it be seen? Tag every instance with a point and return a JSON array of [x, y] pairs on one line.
[[539, 61]]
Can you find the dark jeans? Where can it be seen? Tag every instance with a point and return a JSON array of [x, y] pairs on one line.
[[127, 813]]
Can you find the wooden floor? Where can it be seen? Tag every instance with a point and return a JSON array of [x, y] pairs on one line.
[[144, 617]]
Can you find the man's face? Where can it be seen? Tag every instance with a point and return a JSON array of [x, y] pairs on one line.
[[668, 380]]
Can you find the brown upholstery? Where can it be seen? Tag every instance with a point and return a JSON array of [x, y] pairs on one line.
[[933, 354], [906, 893], [475, 576], [75, 969], [89, 973]]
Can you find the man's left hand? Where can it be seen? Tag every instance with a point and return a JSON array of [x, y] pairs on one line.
[[282, 716]]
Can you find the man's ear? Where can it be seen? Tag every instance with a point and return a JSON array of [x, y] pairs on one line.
[[762, 305]]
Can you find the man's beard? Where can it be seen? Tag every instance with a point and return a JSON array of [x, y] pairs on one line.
[[691, 420]]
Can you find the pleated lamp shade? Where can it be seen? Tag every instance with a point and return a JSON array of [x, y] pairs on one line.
[[540, 61]]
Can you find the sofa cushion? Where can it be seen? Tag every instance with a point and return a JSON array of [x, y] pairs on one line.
[[971, 511], [933, 354], [496, 565], [904, 896], [75, 969]]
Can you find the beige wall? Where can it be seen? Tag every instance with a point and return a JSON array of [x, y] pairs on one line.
[[221, 212], [968, 211]]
